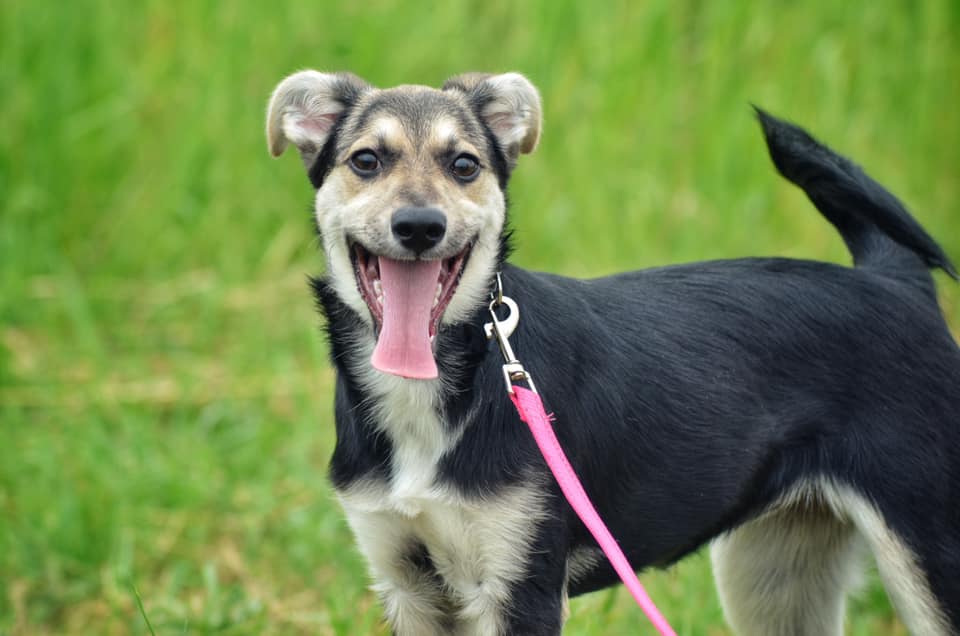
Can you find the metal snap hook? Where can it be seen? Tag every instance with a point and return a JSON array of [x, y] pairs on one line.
[[513, 371], [502, 328], [497, 294]]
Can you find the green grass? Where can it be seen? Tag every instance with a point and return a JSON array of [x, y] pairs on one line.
[[165, 399]]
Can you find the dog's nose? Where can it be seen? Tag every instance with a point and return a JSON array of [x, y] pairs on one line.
[[419, 229]]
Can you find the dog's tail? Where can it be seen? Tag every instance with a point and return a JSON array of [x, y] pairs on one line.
[[876, 227]]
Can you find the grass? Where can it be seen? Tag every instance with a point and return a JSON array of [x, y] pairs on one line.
[[143, 612], [165, 399]]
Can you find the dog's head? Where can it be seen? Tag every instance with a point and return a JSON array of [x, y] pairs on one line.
[[410, 197]]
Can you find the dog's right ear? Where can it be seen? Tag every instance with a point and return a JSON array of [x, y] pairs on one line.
[[305, 107]]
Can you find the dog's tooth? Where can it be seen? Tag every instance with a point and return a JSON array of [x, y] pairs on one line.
[[378, 289]]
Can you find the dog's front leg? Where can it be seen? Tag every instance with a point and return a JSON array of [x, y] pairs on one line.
[[531, 601], [414, 600], [415, 604], [538, 609], [533, 609]]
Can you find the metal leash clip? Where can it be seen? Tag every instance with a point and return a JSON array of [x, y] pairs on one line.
[[513, 371]]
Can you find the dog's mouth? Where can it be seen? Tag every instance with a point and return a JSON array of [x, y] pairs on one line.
[[407, 300]]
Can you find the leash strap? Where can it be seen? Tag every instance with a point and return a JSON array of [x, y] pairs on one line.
[[531, 410]]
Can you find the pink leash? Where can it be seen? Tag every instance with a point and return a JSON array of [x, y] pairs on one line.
[[530, 408], [532, 412]]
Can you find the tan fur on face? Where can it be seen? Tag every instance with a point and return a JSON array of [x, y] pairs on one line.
[[416, 173]]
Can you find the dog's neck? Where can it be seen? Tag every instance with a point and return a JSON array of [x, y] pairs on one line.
[[460, 349]]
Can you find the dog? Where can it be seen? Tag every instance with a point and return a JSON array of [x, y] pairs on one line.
[[786, 411]]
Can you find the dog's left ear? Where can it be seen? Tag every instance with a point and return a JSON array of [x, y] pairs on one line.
[[509, 105]]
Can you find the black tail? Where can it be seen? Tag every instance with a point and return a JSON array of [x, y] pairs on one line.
[[876, 227]]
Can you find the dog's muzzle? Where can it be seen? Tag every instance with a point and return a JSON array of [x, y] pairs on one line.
[[407, 299]]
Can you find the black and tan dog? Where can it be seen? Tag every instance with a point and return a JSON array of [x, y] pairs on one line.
[[790, 411]]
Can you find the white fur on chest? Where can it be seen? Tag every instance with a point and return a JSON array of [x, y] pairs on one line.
[[407, 412]]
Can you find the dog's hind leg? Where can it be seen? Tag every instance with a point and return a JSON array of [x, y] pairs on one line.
[[921, 594], [788, 571]]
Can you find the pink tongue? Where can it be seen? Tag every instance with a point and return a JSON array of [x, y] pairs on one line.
[[404, 344]]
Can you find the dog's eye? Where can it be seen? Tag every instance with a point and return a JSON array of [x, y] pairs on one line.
[[365, 163], [465, 168]]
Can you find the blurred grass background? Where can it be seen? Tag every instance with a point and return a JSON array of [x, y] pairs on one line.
[[165, 399]]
